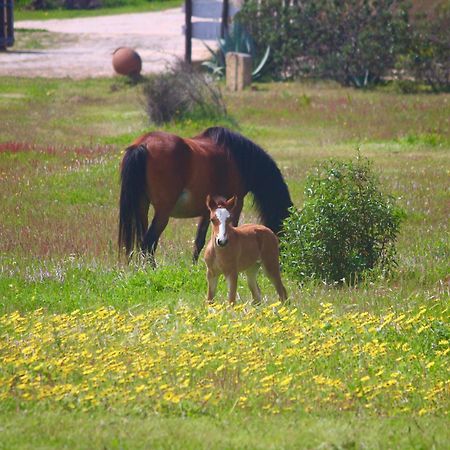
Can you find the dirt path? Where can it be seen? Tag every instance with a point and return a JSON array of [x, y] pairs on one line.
[[156, 36]]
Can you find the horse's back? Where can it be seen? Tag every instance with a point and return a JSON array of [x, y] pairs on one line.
[[168, 149], [181, 172]]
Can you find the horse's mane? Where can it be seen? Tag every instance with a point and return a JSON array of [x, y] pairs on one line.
[[260, 174]]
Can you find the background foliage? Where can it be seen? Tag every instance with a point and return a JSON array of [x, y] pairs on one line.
[[355, 42], [429, 57]]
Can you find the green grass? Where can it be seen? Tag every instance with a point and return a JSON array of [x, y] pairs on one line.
[[61, 142], [134, 6], [58, 430]]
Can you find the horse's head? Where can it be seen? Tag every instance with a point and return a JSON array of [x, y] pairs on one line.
[[221, 214]]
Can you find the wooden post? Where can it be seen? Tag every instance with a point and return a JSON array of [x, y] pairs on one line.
[[10, 22], [238, 71], [188, 32], [224, 24]]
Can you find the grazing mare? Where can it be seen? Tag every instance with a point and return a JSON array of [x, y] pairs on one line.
[[175, 175], [232, 250]]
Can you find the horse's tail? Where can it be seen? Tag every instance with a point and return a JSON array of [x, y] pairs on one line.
[[132, 189], [260, 173]]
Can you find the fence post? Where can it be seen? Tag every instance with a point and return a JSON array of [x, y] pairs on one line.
[[188, 32], [224, 24], [6, 24]]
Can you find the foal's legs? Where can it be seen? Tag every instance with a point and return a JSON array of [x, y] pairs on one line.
[[212, 284], [232, 287], [150, 241], [253, 284], [202, 229], [272, 270]]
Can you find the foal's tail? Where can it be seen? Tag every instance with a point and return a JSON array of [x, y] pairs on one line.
[[132, 190], [260, 173]]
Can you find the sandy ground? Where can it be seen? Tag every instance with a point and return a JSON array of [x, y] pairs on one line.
[[156, 36]]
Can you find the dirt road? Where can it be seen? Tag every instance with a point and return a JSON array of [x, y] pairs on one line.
[[156, 36]]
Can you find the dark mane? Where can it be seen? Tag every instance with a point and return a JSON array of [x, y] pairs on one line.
[[260, 173]]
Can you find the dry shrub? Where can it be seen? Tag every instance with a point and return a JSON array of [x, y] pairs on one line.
[[182, 92]]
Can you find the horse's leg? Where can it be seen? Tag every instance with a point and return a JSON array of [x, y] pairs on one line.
[[253, 284], [212, 284], [151, 238], [232, 287], [237, 210], [202, 229], [281, 290], [144, 206]]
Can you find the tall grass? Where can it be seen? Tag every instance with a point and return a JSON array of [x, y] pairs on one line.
[[60, 149]]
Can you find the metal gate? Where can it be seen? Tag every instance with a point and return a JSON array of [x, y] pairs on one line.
[[6, 24]]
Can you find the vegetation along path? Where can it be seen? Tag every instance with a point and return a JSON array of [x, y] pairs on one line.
[[82, 47]]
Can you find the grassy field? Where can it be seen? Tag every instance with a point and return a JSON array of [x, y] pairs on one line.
[[100, 355], [21, 12]]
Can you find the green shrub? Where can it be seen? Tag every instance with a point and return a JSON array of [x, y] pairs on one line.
[[180, 93], [354, 42], [347, 225]]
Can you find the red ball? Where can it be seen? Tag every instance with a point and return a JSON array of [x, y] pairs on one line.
[[126, 61]]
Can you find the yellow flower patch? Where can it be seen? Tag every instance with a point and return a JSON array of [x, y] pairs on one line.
[[272, 359]]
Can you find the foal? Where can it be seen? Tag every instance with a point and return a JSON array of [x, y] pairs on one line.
[[240, 249]]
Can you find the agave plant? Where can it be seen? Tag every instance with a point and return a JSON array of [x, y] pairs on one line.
[[235, 40]]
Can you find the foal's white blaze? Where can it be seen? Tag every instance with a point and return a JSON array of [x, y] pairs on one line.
[[222, 214]]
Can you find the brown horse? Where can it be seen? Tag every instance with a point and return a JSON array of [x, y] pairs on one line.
[[232, 250], [175, 175]]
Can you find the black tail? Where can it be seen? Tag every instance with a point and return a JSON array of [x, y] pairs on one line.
[[260, 173], [132, 189]]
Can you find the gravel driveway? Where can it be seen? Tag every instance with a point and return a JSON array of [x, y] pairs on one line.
[[156, 36]]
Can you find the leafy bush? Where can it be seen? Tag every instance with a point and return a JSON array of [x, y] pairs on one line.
[[347, 225], [429, 58], [354, 42], [182, 92]]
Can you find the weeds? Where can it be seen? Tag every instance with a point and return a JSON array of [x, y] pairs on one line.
[[182, 93]]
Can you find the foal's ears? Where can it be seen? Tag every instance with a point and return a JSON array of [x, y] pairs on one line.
[[211, 203], [231, 203]]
